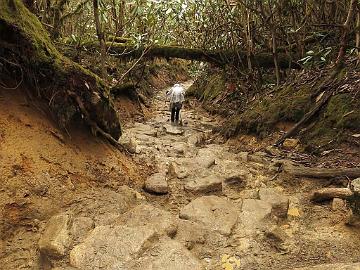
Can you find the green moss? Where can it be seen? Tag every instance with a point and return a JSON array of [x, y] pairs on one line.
[[342, 114], [52, 73]]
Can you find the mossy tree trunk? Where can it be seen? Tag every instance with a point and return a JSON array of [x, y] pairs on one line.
[[221, 57], [69, 89]]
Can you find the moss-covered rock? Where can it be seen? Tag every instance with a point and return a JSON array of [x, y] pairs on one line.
[[54, 77]]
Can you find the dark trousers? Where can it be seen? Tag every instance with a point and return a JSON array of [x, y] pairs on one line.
[[175, 113]]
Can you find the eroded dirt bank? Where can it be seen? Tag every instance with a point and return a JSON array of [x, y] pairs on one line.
[[80, 204]]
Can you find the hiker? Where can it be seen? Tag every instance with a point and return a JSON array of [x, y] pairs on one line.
[[176, 97]]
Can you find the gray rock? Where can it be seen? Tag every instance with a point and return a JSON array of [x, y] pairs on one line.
[[215, 213], [111, 247], [55, 240], [336, 266], [279, 202], [254, 212], [211, 183], [157, 183]]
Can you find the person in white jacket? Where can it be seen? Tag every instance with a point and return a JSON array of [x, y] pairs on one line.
[[176, 97]]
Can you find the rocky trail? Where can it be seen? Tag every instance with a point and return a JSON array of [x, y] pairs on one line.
[[204, 206]]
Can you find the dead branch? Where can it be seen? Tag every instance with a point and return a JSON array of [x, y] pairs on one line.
[[330, 193]]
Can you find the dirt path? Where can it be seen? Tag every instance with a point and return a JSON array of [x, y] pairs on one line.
[[204, 206], [235, 211]]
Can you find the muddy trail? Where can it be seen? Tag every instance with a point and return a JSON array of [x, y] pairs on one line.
[[202, 205]]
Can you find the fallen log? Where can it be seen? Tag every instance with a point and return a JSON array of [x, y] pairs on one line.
[[331, 193], [219, 57], [301, 171]]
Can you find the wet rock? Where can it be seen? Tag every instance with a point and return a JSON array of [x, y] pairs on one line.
[[111, 247], [55, 240], [215, 213], [338, 204], [279, 202], [336, 266], [81, 226], [211, 183], [291, 143], [254, 212], [157, 183], [146, 215], [168, 254]]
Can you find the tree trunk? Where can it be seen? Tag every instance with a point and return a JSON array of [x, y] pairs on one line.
[[101, 38], [58, 11]]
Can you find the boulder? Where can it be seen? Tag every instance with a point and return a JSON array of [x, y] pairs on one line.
[[81, 226], [190, 233], [205, 158], [55, 240], [173, 130], [111, 247], [165, 255], [254, 213], [278, 201], [211, 183], [146, 215], [157, 183], [175, 170], [214, 213]]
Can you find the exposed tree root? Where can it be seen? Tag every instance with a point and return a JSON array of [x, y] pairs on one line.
[[51, 75]]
